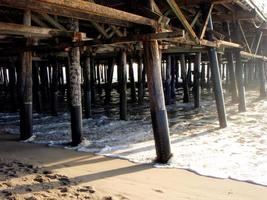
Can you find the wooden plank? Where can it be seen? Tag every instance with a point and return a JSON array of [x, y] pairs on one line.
[[19, 29], [251, 55], [81, 10]]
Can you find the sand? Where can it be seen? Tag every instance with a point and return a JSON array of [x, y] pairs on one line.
[[54, 173]]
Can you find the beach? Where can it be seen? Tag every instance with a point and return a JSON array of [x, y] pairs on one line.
[[116, 178]]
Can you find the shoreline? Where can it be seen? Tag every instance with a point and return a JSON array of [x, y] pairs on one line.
[[122, 179]]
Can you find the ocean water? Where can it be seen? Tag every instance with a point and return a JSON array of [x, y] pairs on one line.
[[237, 152]]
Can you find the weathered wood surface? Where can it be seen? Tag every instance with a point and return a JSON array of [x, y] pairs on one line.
[[216, 80], [168, 80], [239, 73], [230, 65], [81, 10], [157, 102], [196, 87], [140, 80], [185, 80], [87, 87], [25, 88], [25, 30], [262, 78], [123, 85], [75, 90]]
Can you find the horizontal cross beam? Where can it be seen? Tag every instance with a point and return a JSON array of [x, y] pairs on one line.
[[23, 30], [81, 10]]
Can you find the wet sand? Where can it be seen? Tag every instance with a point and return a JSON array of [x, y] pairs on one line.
[[67, 174]]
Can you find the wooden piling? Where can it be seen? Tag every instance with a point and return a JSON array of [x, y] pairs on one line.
[[140, 80], [196, 88], [12, 84], [111, 64], [132, 81], [123, 84], [168, 80], [157, 102], [75, 90], [173, 70], [230, 65], [54, 87], [185, 80], [203, 76], [239, 74], [216, 79], [93, 79], [177, 75], [26, 87], [36, 88], [87, 86], [262, 78]]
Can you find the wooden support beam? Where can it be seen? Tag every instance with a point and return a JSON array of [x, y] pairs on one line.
[[80, 9], [196, 87], [100, 29], [239, 73], [87, 86], [178, 12], [216, 79], [36, 88], [25, 88], [132, 81], [258, 42], [53, 22], [140, 79], [168, 80], [13, 84], [117, 31], [204, 27], [230, 64], [38, 21], [54, 86], [196, 17], [261, 65], [24, 30], [244, 36], [111, 64], [75, 90], [157, 103], [173, 68], [185, 80], [123, 84]]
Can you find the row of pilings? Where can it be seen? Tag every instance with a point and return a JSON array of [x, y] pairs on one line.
[[52, 82], [181, 76], [184, 77]]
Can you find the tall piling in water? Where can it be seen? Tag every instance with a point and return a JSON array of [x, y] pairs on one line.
[[216, 79], [75, 90], [157, 102], [25, 87]]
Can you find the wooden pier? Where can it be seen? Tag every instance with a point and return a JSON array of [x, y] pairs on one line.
[[56, 52]]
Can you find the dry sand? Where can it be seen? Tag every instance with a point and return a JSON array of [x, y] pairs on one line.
[[30, 171]]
